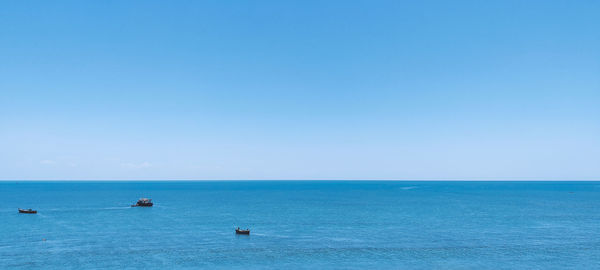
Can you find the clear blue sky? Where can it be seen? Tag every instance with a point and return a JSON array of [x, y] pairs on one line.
[[475, 90]]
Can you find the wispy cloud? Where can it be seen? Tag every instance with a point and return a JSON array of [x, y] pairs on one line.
[[132, 165], [47, 162]]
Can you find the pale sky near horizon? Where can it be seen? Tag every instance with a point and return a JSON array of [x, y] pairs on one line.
[[410, 90]]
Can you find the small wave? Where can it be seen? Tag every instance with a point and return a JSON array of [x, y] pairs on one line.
[[115, 208], [342, 239], [411, 187], [271, 235]]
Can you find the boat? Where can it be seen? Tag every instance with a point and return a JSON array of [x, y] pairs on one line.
[[239, 231], [144, 202], [27, 211]]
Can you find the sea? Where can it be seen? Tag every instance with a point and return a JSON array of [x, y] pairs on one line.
[[300, 225]]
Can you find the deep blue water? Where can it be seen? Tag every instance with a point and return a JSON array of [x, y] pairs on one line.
[[301, 225]]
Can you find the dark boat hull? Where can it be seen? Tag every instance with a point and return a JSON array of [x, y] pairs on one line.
[[142, 205], [242, 232], [23, 211]]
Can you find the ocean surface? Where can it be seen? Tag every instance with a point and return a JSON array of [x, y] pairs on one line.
[[301, 225]]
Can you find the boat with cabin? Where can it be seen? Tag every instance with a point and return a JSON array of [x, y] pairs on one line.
[[143, 202]]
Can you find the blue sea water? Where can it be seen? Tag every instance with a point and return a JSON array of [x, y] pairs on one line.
[[301, 225]]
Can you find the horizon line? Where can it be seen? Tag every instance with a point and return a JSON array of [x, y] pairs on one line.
[[247, 180]]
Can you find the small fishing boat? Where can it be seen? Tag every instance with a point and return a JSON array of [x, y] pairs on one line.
[[238, 231], [144, 202], [27, 211]]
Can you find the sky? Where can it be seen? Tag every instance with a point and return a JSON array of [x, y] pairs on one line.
[[222, 90]]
